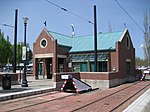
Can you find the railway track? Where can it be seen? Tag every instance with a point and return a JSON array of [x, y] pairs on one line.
[[57, 101], [107, 98], [32, 101], [30, 97], [115, 108]]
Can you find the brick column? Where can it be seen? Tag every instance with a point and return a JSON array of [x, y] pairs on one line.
[[35, 68], [44, 70], [54, 59], [109, 68]]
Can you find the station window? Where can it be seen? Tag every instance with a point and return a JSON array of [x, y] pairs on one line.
[[61, 68], [83, 67], [76, 67], [128, 42], [102, 66], [43, 43]]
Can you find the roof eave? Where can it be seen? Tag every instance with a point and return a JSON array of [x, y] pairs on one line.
[[103, 50], [123, 34], [48, 34]]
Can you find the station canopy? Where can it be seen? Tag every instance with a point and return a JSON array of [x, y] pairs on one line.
[[87, 57]]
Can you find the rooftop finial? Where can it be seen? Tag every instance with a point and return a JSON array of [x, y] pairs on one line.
[[45, 23], [125, 26]]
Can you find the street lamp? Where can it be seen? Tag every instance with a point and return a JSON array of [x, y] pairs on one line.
[[24, 55]]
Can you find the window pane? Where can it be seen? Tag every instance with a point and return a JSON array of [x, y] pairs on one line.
[[102, 66], [92, 67], [76, 67], [83, 67]]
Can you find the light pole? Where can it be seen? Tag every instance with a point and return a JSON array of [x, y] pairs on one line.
[[19, 68], [24, 55]]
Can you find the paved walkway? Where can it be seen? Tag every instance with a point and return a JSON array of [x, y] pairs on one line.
[[34, 87], [141, 104]]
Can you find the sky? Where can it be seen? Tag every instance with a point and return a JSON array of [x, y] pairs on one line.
[[108, 12]]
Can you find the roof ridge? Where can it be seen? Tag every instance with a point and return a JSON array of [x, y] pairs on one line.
[[60, 33], [110, 32], [99, 34], [84, 35]]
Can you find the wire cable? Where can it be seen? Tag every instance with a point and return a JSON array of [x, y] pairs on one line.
[[64, 9], [7, 25], [129, 16]]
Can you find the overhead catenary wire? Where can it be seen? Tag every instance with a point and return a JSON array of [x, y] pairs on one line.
[[66, 10], [7, 25], [129, 16]]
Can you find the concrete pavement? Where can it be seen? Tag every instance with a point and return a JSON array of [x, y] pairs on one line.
[[141, 104], [34, 87]]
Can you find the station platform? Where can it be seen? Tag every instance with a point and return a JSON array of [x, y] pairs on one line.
[[141, 104], [34, 87]]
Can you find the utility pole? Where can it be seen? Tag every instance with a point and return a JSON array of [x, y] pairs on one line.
[[15, 41], [95, 40]]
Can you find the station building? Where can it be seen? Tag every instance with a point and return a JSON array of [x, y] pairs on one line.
[[55, 54]]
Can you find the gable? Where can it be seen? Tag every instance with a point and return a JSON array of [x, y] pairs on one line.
[[126, 39]]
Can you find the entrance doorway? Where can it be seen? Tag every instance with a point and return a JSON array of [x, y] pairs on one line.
[[45, 68], [128, 68]]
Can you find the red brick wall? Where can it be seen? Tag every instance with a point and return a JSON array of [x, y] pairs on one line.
[[95, 75], [114, 61], [50, 47], [84, 75], [118, 58], [55, 60], [63, 50], [89, 75], [125, 53]]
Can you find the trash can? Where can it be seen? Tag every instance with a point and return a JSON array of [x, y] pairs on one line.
[[6, 82]]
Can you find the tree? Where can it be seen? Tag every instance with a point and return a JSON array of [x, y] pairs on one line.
[[147, 36], [30, 55], [5, 50], [141, 62]]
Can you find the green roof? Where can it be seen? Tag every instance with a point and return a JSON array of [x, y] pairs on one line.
[[62, 39], [105, 41]]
